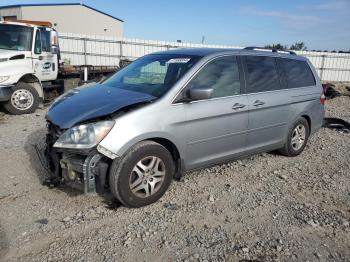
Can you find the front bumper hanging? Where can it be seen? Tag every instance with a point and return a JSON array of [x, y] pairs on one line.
[[86, 173], [82, 170]]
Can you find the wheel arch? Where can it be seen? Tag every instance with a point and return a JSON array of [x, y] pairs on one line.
[[172, 148], [308, 119], [175, 153], [33, 81], [164, 139], [304, 115]]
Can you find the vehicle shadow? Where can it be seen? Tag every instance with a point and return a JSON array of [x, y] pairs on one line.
[[35, 145]]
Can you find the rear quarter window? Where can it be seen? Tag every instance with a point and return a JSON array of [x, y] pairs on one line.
[[298, 73]]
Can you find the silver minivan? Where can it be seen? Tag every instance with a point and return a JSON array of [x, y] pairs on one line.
[[180, 110]]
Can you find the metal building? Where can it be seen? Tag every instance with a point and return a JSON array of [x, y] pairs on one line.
[[71, 18]]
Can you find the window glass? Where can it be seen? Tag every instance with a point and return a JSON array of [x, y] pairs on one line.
[[15, 37], [298, 73], [37, 47], [45, 40], [220, 74], [262, 74], [153, 74]]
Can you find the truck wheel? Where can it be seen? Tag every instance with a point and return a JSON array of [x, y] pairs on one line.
[[24, 100], [297, 138], [142, 175]]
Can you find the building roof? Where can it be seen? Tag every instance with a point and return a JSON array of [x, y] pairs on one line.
[[61, 4]]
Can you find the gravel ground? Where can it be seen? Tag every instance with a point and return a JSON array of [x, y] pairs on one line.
[[263, 208]]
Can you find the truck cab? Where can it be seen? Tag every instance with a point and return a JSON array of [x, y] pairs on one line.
[[29, 58]]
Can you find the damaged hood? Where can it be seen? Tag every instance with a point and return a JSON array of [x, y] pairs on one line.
[[89, 102]]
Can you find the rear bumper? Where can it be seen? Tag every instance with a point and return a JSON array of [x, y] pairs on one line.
[[5, 92]]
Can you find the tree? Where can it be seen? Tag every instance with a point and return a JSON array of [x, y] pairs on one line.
[[298, 46], [276, 46]]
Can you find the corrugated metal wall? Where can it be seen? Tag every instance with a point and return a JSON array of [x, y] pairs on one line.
[[81, 49]]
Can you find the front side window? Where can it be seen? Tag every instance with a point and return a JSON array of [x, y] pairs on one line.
[[153, 74], [262, 74], [45, 40], [222, 75], [15, 37], [37, 45], [298, 73]]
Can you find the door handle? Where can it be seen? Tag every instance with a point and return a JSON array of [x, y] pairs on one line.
[[41, 57], [238, 106], [258, 103]]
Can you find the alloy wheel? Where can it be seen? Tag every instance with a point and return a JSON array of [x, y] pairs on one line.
[[298, 137], [147, 176]]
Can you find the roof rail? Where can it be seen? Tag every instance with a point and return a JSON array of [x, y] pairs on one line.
[[272, 49]]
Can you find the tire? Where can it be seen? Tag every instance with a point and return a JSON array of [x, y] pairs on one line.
[[26, 106], [126, 173], [294, 148]]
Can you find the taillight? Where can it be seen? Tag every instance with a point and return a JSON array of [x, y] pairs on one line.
[[322, 99]]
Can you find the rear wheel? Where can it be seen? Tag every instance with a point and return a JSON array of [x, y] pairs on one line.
[[142, 175], [297, 138], [24, 100]]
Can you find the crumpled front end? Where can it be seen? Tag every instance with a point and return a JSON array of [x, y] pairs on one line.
[[82, 169]]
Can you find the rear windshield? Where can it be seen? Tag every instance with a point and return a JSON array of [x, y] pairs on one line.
[[15, 37], [298, 73], [153, 74]]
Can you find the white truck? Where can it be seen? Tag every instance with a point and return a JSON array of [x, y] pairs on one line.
[[30, 68], [28, 57]]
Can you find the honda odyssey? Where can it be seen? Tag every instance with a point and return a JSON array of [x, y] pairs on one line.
[[179, 110]]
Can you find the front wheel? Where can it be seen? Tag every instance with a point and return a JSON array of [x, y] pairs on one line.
[[298, 136], [142, 175], [24, 100]]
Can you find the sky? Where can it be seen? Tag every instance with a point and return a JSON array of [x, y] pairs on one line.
[[321, 24]]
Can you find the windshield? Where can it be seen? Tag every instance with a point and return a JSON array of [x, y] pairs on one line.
[[15, 37], [153, 74]]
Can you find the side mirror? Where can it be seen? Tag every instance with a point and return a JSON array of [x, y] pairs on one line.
[[200, 93], [54, 42], [54, 50]]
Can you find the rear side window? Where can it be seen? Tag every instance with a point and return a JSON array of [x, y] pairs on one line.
[[222, 75], [298, 73], [262, 74]]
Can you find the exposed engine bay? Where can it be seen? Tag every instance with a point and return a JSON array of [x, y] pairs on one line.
[[83, 170]]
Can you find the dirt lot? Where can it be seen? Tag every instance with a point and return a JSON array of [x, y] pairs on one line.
[[264, 208]]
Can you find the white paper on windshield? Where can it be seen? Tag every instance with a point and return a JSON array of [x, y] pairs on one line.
[[178, 60]]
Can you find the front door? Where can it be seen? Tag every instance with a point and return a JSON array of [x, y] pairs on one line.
[[44, 62], [216, 127]]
